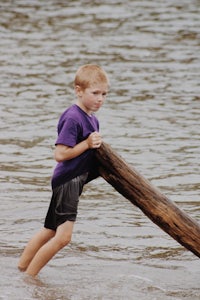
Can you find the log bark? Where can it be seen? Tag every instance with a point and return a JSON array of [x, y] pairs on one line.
[[140, 192]]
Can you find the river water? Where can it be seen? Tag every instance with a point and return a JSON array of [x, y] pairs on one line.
[[151, 51]]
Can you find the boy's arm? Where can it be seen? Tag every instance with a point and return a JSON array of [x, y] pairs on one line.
[[63, 152]]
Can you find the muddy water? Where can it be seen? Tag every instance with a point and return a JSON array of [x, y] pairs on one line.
[[151, 51]]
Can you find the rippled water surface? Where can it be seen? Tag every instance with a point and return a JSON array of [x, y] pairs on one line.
[[151, 51]]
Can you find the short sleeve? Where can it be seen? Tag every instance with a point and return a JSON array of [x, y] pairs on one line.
[[67, 133]]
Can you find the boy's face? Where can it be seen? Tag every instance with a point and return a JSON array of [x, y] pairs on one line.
[[92, 98]]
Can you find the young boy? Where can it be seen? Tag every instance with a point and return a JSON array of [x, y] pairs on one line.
[[78, 136]]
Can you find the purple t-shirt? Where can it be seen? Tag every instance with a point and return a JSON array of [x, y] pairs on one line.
[[74, 126]]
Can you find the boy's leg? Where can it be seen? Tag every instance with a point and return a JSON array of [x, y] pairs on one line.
[[37, 241], [48, 250]]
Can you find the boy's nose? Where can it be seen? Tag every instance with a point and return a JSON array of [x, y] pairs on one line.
[[100, 98]]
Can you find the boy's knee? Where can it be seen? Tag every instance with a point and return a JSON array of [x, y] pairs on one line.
[[64, 240]]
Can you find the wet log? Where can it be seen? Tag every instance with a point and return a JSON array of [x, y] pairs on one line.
[[140, 192]]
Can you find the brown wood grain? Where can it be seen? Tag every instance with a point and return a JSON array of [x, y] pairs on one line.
[[139, 191]]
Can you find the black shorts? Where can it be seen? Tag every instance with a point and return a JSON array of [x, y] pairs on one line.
[[64, 202]]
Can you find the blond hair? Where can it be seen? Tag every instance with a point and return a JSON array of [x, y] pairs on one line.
[[90, 74]]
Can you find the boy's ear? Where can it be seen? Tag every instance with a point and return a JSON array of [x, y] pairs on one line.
[[78, 90]]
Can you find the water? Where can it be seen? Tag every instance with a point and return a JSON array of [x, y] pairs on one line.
[[151, 51]]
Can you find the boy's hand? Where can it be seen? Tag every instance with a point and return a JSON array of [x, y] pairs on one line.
[[94, 140]]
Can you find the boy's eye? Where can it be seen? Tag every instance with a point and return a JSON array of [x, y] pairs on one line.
[[98, 93]]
